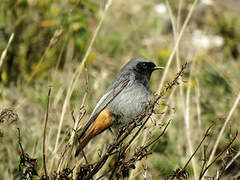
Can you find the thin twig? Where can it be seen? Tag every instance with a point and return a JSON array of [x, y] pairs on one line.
[[19, 141], [205, 136], [198, 94], [223, 127], [204, 158], [123, 150], [44, 133], [68, 148], [219, 155], [157, 138], [232, 160], [85, 157]]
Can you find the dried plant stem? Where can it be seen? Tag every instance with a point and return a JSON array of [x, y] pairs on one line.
[[232, 160], [198, 94], [180, 5], [77, 73], [58, 61], [183, 173], [69, 146], [135, 172], [178, 60], [200, 144], [223, 128], [176, 26], [44, 133], [19, 142], [4, 53], [217, 157], [53, 40], [157, 138], [177, 44], [211, 61], [187, 122]]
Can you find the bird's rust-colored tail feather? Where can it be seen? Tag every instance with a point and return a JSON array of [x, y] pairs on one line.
[[103, 121]]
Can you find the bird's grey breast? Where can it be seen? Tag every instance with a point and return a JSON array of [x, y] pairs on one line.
[[130, 103]]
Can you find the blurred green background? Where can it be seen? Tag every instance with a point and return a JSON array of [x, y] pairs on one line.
[[51, 39]]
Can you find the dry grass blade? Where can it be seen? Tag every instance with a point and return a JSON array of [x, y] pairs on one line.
[[232, 160], [187, 122], [4, 53], [177, 44], [176, 28], [198, 93], [68, 148], [223, 128], [53, 40], [77, 73], [218, 156]]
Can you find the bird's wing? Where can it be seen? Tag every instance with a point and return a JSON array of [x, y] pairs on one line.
[[104, 101]]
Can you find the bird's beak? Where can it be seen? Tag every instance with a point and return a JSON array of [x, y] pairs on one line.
[[158, 68]]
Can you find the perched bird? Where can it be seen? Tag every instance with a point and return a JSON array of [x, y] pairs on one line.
[[125, 99]]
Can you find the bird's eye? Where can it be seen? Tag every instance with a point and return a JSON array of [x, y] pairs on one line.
[[144, 65]]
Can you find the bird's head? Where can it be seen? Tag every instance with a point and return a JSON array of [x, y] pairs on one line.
[[142, 66]]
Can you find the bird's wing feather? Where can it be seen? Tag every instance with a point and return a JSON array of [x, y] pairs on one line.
[[104, 101]]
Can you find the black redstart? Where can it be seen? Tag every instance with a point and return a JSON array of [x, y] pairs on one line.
[[125, 99]]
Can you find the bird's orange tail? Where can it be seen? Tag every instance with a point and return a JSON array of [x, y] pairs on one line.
[[84, 142], [103, 121]]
